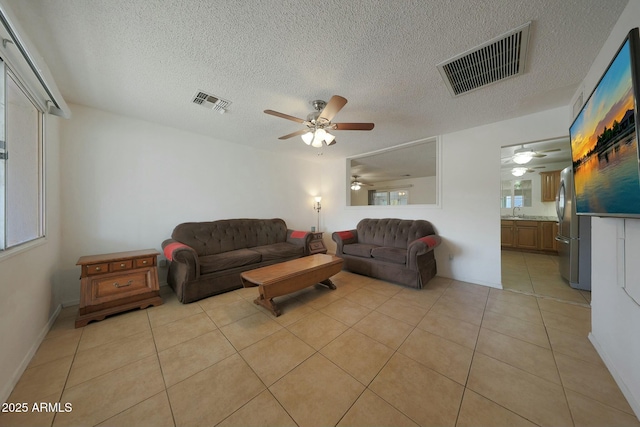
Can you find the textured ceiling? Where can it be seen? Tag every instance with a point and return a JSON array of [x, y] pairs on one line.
[[147, 59]]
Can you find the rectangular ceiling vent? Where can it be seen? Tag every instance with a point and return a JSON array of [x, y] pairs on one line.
[[211, 102], [495, 60]]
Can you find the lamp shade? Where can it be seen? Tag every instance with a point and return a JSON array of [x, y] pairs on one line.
[[328, 139], [307, 137]]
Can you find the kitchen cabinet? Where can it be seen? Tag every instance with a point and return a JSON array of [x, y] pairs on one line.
[[549, 185], [526, 234], [506, 234], [548, 232], [529, 235]]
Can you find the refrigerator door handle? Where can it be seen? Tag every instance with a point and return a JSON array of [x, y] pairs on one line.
[[562, 239]]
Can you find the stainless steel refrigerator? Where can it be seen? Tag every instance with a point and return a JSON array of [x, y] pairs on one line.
[[574, 236]]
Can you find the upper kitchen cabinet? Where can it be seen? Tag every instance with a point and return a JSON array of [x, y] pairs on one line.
[[549, 188]]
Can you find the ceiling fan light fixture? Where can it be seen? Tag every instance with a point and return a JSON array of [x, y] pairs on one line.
[[317, 140], [307, 137], [518, 171], [523, 157], [355, 185], [328, 139]]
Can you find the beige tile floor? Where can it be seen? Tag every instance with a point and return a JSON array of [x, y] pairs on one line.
[[367, 353], [538, 274]]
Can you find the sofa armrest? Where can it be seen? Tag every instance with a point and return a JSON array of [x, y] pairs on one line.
[[300, 238], [420, 247], [184, 255], [344, 238]]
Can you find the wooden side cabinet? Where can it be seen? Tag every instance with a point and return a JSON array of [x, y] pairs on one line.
[[117, 282], [316, 245]]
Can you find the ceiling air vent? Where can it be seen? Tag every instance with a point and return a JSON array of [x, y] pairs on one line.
[[495, 60], [211, 102]]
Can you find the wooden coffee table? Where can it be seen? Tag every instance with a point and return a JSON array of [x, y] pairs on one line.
[[290, 276]]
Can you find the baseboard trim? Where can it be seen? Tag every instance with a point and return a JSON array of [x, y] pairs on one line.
[[8, 388], [635, 405]]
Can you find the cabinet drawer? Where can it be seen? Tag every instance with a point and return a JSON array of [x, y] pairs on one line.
[[119, 286], [144, 262], [97, 268], [121, 265]]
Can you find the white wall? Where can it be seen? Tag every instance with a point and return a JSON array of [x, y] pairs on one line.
[[615, 317], [469, 216], [127, 183], [29, 294]]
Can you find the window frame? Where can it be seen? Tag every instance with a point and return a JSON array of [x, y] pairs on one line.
[[6, 251]]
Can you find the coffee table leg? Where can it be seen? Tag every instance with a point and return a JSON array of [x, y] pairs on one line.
[[268, 304], [329, 284]]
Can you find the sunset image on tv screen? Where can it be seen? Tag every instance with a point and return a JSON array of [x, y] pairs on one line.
[[604, 145]]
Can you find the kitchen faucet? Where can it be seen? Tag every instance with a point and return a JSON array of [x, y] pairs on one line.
[[514, 210]]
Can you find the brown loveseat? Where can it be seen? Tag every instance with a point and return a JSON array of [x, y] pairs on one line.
[[397, 250], [206, 258]]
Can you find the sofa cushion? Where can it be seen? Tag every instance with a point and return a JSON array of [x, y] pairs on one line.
[[278, 251], [358, 249], [226, 260], [385, 253]]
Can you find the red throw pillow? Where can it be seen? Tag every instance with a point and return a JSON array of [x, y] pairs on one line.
[[430, 241], [345, 235], [171, 247], [298, 234]]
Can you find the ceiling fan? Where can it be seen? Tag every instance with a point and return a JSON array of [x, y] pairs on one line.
[[519, 171], [318, 123], [524, 155], [355, 184]]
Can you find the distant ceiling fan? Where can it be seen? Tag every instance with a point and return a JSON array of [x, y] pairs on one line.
[[519, 171], [355, 184], [524, 155], [319, 122]]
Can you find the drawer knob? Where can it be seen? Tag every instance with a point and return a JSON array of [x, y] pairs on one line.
[[118, 285], [98, 268], [144, 262], [122, 265]]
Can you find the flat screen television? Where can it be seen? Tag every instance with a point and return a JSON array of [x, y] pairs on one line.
[[604, 140]]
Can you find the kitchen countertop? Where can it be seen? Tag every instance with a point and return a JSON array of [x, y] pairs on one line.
[[530, 218]]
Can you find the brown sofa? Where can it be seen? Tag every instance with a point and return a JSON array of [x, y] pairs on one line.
[[397, 250], [206, 258]]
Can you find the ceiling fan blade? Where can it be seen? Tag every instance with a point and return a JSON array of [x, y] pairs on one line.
[[332, 142], [296, 133], [284, 116], [550, 150], [538, 155], [353, 126], [334, 105]]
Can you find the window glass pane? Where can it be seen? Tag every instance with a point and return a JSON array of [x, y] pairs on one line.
[[505, 199], [399, 197], [380, 198], [516, 193], [522, 192], [23, 167]]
